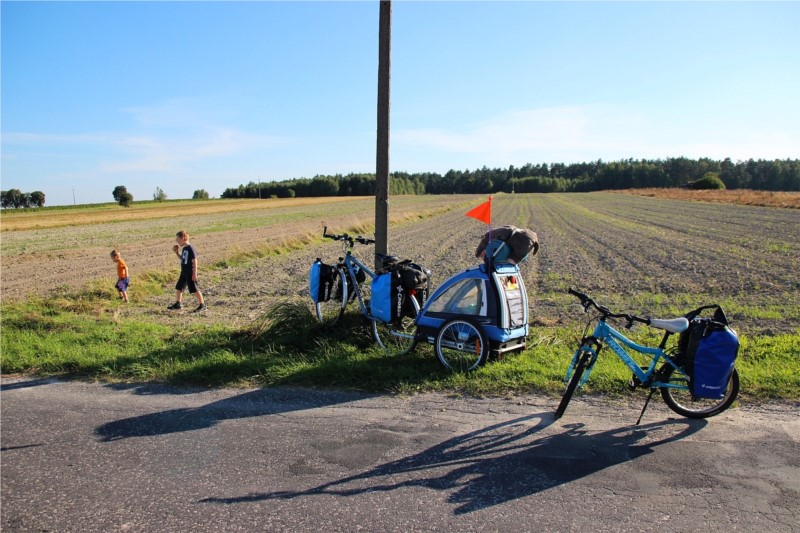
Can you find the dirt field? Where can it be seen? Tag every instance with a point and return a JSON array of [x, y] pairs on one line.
[[726, 196], [605, 243], [53, 254]]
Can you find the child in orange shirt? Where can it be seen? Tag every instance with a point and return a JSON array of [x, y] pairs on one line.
[[122, 275]]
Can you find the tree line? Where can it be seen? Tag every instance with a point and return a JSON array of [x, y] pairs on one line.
[[15, 198], [770, 175]]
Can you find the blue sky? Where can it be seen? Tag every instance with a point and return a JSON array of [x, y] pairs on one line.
[[191, 95]]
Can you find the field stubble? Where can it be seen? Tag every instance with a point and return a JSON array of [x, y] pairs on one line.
[[645, 255]]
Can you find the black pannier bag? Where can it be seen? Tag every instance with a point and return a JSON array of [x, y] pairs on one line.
[[415, 280], [710, 349], [361, 277], [322, 281], [414, 276]]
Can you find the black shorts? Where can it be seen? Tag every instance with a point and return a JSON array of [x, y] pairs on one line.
[[184, 281]]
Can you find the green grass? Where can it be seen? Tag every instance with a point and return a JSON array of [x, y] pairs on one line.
[[82, 335]]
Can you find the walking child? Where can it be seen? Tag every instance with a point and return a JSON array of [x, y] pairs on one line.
[[188, 277], [122, 275]]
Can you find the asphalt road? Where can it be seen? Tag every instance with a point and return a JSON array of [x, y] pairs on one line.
[[92, 457]]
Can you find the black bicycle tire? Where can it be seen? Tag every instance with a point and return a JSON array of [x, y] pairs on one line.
[[404, 350], [667, 394], [580, 368]]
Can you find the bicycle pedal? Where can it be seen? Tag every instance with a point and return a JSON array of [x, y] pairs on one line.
[[635, 382]]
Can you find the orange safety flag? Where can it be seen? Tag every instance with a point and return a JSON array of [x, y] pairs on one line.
[[483, 212]]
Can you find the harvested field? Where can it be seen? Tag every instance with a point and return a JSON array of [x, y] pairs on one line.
[[41, 259], [634, 251], [726, 196]]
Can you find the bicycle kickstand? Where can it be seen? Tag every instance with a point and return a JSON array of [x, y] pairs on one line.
[[646, 403]]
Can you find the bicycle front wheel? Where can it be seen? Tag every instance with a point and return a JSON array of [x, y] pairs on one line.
[[461, 346], [583, 362], [330, 311], [682, 401]]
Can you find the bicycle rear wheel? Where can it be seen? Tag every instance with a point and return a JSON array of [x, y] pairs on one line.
[[682, 401], [396, 338], [584, 360], [330, 311]]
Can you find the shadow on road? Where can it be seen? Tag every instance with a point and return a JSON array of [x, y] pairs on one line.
[[501, 462], [255, 403], [26, 383]]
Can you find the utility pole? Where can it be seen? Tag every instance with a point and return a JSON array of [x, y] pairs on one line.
[[382, 153]]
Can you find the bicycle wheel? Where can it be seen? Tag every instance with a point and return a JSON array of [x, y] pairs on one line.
[[683, 402], [583, 362], [461, 346], [330, 311], [396, 338]]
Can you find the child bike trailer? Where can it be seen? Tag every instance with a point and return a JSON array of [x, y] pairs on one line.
[[481, 311]]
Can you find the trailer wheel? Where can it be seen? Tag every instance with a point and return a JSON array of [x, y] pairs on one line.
[[461, 345]]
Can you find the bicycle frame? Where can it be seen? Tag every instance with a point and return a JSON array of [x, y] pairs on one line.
[[604, 334], [349, 262]]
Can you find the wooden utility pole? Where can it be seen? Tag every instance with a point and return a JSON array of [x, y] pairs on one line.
[[382, 154]]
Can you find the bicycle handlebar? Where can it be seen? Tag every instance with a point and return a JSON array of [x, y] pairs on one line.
[[345, 237], [587, 302]]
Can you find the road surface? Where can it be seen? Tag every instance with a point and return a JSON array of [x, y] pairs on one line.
[[98, 457]]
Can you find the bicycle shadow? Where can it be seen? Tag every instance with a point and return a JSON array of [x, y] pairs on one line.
[[259, 402], [500, 463]]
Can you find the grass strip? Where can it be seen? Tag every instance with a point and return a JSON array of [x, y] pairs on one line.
[[83, 336]]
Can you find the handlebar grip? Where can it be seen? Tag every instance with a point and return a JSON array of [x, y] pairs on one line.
[[578, 294]]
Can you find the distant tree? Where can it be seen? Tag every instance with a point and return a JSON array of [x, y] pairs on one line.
[[125, 199], [14, 198], [36, 198], [159, 195], [709, 181], [200, 194], [119, 190]]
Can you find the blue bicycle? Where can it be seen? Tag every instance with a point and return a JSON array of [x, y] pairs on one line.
[[666, 372]]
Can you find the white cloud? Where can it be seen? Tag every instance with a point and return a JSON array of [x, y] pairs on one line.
[[549, 131], [585, 133], [165, 137], [48, 138]]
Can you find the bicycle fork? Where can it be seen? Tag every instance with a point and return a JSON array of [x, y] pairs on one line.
[[591, 345]]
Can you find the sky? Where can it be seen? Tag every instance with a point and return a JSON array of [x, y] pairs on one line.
[[209, 95]]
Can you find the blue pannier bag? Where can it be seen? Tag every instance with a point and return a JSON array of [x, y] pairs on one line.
[[711, 348], [320, 281], [384, 296]]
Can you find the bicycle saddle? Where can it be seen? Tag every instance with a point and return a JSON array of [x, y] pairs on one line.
[[673, 325]]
